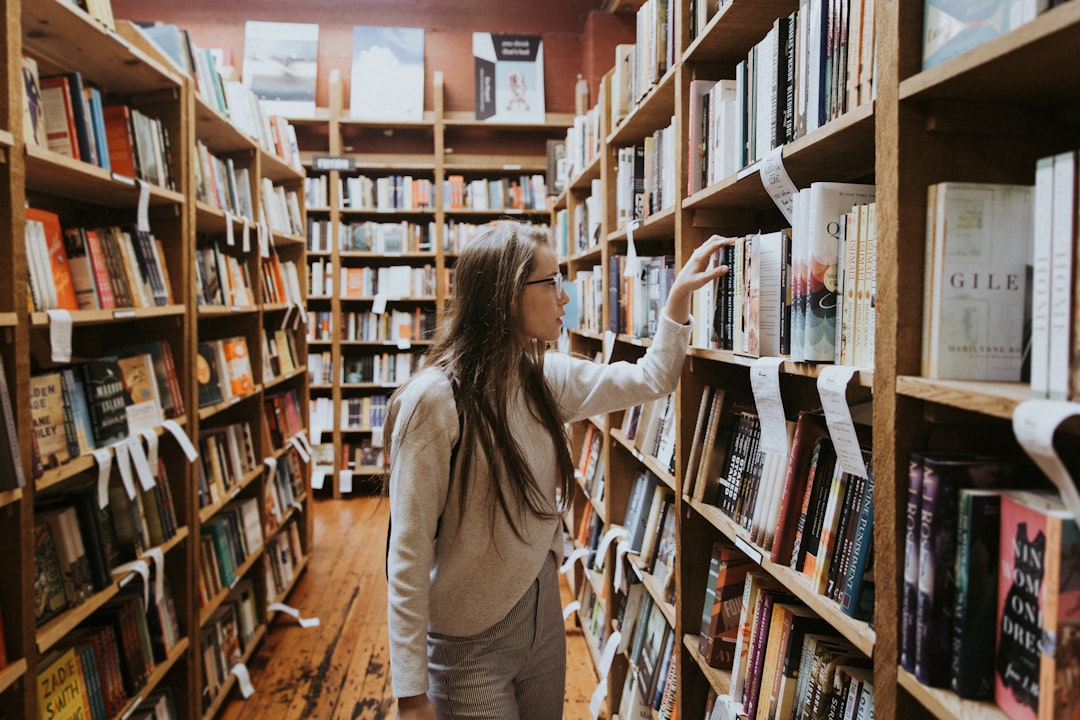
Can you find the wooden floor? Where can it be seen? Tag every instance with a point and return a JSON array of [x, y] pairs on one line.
[[340, 669]]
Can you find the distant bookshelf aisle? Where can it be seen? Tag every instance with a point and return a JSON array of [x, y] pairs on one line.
[[156, 356], [824, 386], [386, 216]]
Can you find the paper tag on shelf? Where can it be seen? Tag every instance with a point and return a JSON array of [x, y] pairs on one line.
[[303, 622], [568, 563], [104, 463], [611, 647], [230, 234], [609, 345], [158, 556], [271, 465], [264, 243], [318, 477], [138, 459], [404, 343], [620, 555], [765, 381], [300, 449], [245, 236], [378, 304], [633, 264], [182, 439], [135, 567], [1034, 423], [60, 328], [123, 464], [302, 438], [243, 679], [377, 436], [345, 481], [832, 386], [142, 217], [616, 532], [749, 550], [777, 182], [571, 607], [151, 439]]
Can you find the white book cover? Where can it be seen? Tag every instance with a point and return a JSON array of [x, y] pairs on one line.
[[1062, 263], [1040, 277], [979, 281], [387, 81], [509, 74], [280, 64]]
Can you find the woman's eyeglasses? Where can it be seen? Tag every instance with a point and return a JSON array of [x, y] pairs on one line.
[[554, 281]]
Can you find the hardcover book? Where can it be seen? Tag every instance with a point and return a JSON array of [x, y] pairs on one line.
[[48, 418], [61, 687], [56, 252], [1038, 609], [108, 399], [49, 597], [509, 77], [11, 469], [143, 409], [208, 376], [241, 380], [975, 281]]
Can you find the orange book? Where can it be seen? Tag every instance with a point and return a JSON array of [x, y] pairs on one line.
[[58, 260], [241, 380], [118, 137], [60, 134]]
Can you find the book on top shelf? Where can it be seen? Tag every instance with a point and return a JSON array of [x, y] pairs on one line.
[[977, 245], [509, 77], [33, 106], [280, 63], [387, 81], [1038, 609]]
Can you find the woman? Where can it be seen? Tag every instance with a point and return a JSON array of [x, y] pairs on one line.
[[479, 460]]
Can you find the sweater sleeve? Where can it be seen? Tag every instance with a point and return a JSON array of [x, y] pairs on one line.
[[423, 436], [585, 388]]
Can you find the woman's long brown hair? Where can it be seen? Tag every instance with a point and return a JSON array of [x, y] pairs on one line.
[[483, 355]]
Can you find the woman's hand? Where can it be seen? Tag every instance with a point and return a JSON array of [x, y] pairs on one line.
[[694, 274], [416, 707]]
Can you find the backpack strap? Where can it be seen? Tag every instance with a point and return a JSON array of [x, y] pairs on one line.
[[453, 464]]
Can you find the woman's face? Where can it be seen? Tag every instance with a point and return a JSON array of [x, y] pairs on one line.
[[540, 309]]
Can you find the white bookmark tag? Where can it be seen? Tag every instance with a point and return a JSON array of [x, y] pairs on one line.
[[158, 556], [633, 264], [123, 463], [318, 477], [378, 304], [777, 182], [304, 622], [616, 532], [182, 438], [271, 466], [568, 563], [765, 381], [345, 481], [1034, 423], [128, 570], [104, 463], [142, 467], [620, 554], [243, 679], [230, 235], [151, 439], [142, 221], [245, 237], [570, 609], [598, 696], [832, 389], [60, 328]]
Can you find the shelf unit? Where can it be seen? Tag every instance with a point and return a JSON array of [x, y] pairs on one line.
[[987, 116], [130, 70], [439, 145]]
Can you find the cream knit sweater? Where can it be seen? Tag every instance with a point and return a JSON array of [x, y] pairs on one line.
[[471, 575]]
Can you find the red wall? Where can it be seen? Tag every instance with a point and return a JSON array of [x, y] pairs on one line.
[[571, 44]]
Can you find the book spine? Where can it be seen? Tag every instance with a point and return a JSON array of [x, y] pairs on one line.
[[909, 607], [977, 546]]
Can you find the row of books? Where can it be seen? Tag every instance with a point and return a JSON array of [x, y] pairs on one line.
[[317, 192], [637, 291], [78, 408], [650, 646], [639, 66], [386, 238], [582, 145], [585, 308], [650, 524], [221, 278], [804, 509], [645, 177], [67, 116], [390, 192], [457, 235], [281, 281], [363, 413], [223, 370], [284, 417], [394, 326], [221, 184], [362, 455], [321, 368], [78, 544], [226, 455], [591, 465], [391, 281], [986, 568], [950, 30], [279, 209], [320, 326], [105, 663], [789, 663], [280, 354], [650, 426], [226, 541], [283, 491], [383, 368], [226, 637], [284, 553], [12, 475], [526, 192], [93, 268]]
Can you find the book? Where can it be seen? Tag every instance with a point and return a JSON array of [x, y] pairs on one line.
[[61, 687], [977, 548], [1038, 608], [509, 77], [978, 235], [951, 28], [56, 251], [121, 142], [857, 589], [11, 469], [108, 399], [208, 375], [238, 364], [81, 269], [387, 80], [638, 508], [810, 427], [59, 115], [143, 407], [909, 601], [48, 418], [33, 105], [49, 597], [722, 605]]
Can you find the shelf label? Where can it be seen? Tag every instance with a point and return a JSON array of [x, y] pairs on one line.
[[142, 467], [511, 166], [104, 462], [832, 388], [333, 162], [182, 439], [60, 328], [568, 563], [777, 182], [151, 439], [245, 236], [230, 234], [142, 214], [345, 481], [1034, 423], [765, 381], [243, 679], [749, 550], [123, 314], [378, 305], [570, 609], [318, 477]]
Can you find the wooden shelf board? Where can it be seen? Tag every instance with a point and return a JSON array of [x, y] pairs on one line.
[[278, 169], [863, 377], [735, 29], [398, 212], [481, 164], [205, 412], [426, 122], [59, 175], [10, 497], [997, 399], [464, 118], [1035, 64], [219, 311], [105, 317], [12, 673], [660, 226], [719, 680], [282, 379], [56, 629], [218, 132], [230, 679], [947, 705], [583, 180], [61, 35], [6, 139], [653, 112], [9, 319], [858, 633]]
